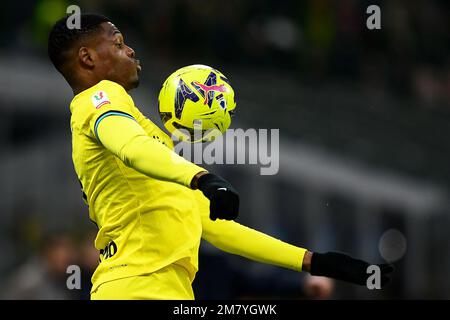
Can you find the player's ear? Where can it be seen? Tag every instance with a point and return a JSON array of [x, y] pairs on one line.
[[86, 57]]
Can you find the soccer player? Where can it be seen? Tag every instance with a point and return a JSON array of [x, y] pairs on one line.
[[151, 206]]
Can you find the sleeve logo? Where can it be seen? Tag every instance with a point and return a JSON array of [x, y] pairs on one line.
[[99, 99]]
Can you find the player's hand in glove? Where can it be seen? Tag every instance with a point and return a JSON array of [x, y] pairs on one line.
[[343, 267], [224, 199]]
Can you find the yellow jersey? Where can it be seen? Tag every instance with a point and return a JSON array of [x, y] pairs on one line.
[[138, 193], [144, 223]]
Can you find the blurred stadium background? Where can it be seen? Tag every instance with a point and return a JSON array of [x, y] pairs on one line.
[[364, 118]]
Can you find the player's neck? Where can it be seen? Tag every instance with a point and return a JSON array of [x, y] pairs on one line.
[[78, 88]]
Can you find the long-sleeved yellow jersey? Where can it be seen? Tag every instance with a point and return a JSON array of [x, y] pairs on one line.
[[138, 193]]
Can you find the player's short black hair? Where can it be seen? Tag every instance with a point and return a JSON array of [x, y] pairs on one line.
[[61, 38]]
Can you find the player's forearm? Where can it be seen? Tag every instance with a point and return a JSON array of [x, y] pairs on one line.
[[154, 160], [237, 239], [128, 141]]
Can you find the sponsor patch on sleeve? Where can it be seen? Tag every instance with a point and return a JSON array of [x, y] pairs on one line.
[[99, 99]]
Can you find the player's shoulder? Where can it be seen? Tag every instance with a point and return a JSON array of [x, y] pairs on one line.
[[104, 95], [100, 93], [105, 92]]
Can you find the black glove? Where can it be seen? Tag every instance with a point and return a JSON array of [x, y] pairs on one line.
[[343, 267], [224, 199]]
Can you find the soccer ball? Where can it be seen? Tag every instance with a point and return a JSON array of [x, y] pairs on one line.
[[196, 103]]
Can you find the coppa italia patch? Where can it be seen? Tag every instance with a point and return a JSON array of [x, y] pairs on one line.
[[99, 99]]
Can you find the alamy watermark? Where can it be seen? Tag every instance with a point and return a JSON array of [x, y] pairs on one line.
[[236, 146], [74, 20], [374, 280], [74, 279], [374, 20]]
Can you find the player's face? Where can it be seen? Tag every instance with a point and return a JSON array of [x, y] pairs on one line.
[[116, 60]]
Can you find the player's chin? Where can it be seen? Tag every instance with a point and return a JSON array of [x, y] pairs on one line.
[[134, 82]]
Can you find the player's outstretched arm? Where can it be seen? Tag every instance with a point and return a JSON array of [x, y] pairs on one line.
[[235, 238], [238, 239]]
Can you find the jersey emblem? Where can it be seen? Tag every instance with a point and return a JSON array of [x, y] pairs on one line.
[[99, 99]]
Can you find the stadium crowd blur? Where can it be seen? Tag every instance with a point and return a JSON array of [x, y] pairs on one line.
[[325, 44], [316, 38]]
